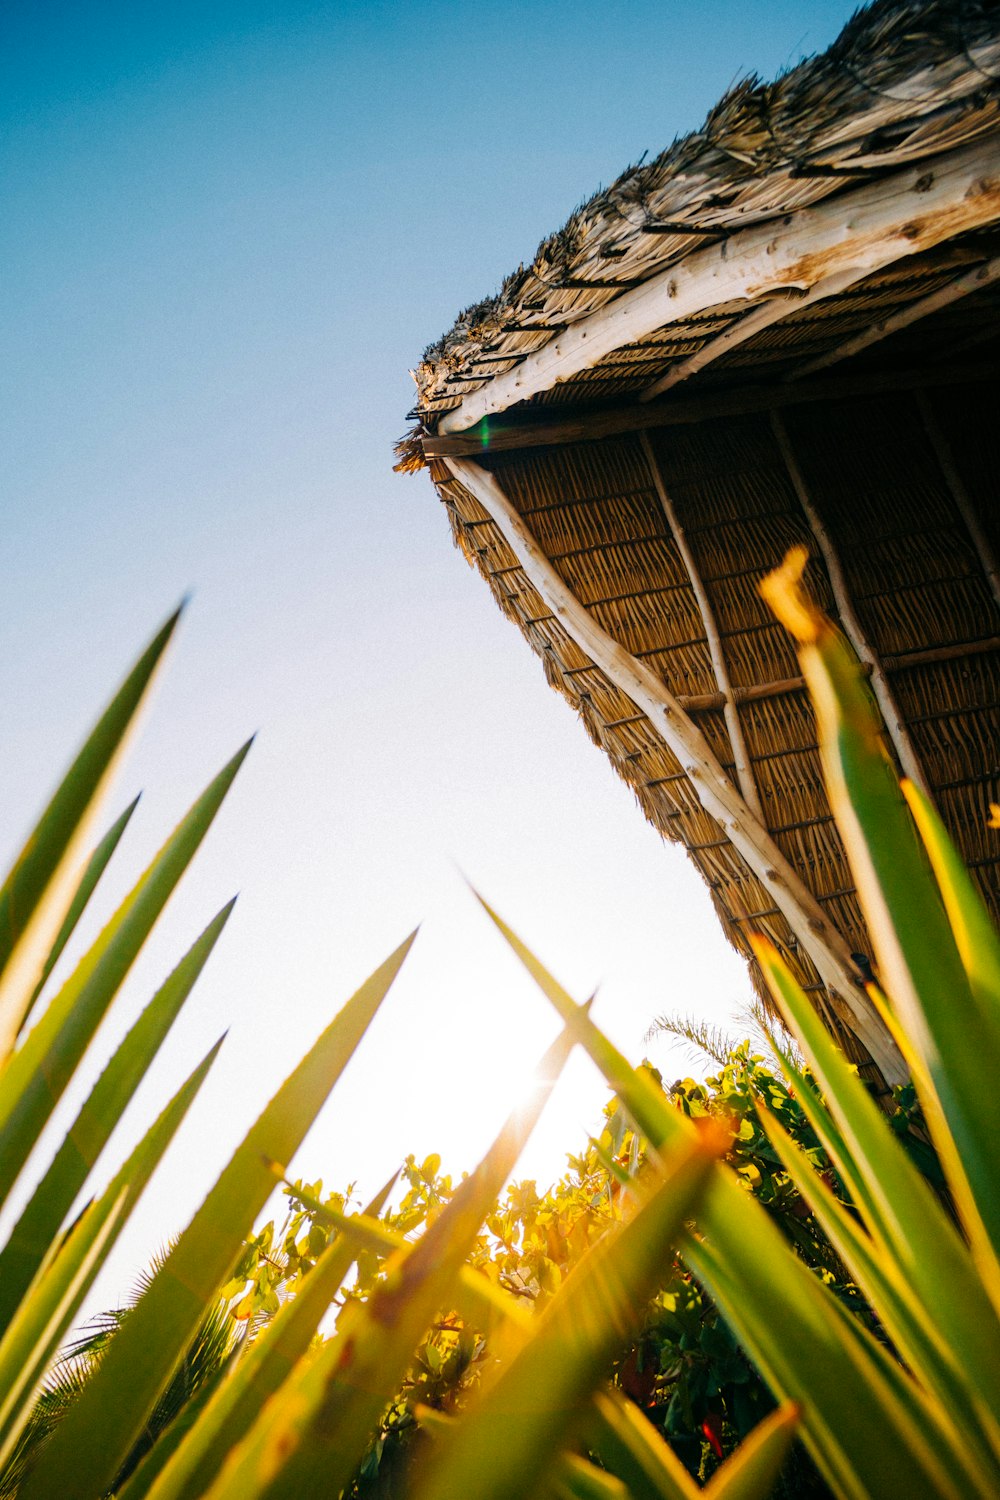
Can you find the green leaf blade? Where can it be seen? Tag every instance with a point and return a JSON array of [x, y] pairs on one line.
[[36, 1075], [39, 890], [908, 1224], [863, 1436], [52, 1199], [95, 868], [513, 1437], [55, 1296], [315, 1430], [86, 1452], [263, 1368]]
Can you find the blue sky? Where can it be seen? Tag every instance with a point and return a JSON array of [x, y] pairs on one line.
[[229, 230]]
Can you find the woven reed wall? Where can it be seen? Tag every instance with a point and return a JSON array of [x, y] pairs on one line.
[[915, 578]]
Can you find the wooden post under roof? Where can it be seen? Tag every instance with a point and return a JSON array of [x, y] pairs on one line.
[[892, 718], [716, 793], [731, 713]]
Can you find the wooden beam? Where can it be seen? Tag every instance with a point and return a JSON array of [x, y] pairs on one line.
[[716, 793], [744, 328], [959, 651], [892, 718], [594, 423], [696, 703], [954, 291], [741, 755], [960, 495], [866, 228]]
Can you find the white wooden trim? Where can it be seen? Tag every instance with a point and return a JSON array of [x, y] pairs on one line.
[[741, 755], [959, 493], [590, 426], [866, 229], [953, 291], [774, 310], [714, 790], [892, 718]]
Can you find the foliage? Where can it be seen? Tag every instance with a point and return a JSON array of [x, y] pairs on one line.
[[510, 1325], [108, 1398], [684, 1368]]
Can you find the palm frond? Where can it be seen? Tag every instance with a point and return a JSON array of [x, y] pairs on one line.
[[769, 1033], [699, 1036]]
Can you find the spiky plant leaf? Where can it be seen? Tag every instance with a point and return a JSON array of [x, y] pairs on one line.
[[37, 1073], [38, 892], [315, 1430], [975, 935], [910, 1322], [862, 1429], [185, 1473], [95, 868], [956, 1037], [87, 1451], [909, 1228], [512, 1438], [54, 1297], [86, 1138]]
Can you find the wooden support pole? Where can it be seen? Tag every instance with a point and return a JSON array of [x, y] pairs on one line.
[[953, 291], [959, 494], [744, 768], [716, 793], [592, 424], [694, 703], [892, 718], [865, 229], [741, 330]]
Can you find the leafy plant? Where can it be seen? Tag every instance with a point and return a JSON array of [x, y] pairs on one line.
[[46, 1266], [924, 1422], [292, 1412], [799, 1207]]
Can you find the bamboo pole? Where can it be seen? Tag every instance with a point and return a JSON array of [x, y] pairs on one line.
[[694, 703], [892, 718], [954, 291], [866, 229], [744, 769], [716, 793], [742, 329]]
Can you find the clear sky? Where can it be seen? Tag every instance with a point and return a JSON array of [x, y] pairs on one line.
[[228, 230]]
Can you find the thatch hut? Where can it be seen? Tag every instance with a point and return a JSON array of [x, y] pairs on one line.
[[781, 330]]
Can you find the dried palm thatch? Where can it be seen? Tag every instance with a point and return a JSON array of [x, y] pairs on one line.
[[782, 330]]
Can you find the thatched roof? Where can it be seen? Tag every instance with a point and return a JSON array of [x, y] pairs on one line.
[[718, 356], [902, 83]]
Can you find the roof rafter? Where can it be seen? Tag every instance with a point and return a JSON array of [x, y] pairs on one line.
[[972, 281], [744, 328], [730, 709], [715, 791], [892, 718], [866, 228]]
